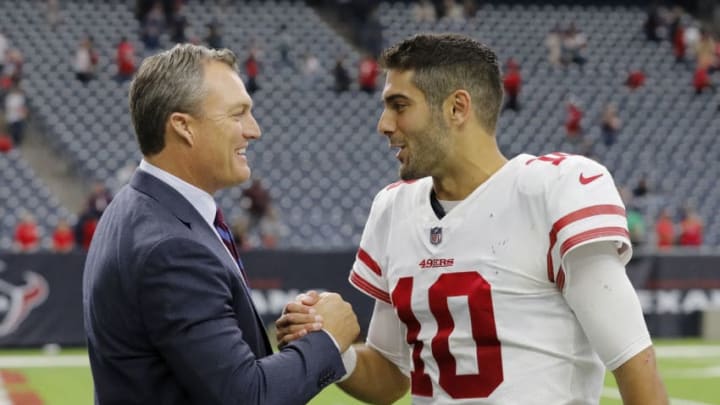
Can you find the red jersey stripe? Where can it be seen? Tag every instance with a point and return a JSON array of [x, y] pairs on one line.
[[369, 261], [593, 234], [364, 285], [605, 209]]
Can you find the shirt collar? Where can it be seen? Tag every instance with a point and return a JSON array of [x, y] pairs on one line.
[[203, 202]]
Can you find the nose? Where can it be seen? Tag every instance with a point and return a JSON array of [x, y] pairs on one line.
[[386, 125], [251, 129]]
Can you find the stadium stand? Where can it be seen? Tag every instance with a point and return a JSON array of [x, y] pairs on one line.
[[320, 155]]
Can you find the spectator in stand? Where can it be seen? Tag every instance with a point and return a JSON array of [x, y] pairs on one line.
[[512, 82], [13, 66], [453, 11], [368, 73], [424, 11], [16, 113], [691, 229], [311, 70], [6, 143], [285, 44], [610, 125], [52, 7], [98, 200], [152, 27], [178, 24], [677, 33], [635, 79], [27, 234], [270, 229], [573, 122], [86, 59], [252, 70], [63, 239], [636, 224], [635, 218], [256, 200], [3, 51], [85, 229], [705, 51], [665, 230], [642, 188], [575, 44], [470, 9], [341, 75], [702, 80], [652, 24], [214, 38], [553, 42], [125, 59]]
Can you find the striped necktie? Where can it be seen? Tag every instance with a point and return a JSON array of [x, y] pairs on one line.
[[227, 239]]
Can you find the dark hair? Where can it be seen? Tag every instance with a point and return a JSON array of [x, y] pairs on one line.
[[171, 81], [443, 63]]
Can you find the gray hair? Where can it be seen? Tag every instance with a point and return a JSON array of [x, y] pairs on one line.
[[171, 81]]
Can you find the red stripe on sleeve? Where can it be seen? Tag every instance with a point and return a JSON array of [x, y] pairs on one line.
[[369, 261], [593, 234], [370, 289], [605, 209], [561, 278]]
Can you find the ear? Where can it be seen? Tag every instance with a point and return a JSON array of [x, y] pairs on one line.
[[180, 123], [459, 107]]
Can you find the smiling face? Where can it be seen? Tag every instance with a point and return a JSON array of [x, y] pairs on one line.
[[411, 125], [223, 129]]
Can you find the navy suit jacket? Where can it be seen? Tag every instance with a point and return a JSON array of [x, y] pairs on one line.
[[169, 320]]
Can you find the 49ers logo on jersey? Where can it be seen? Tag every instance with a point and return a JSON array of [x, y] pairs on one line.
[[430, 263]]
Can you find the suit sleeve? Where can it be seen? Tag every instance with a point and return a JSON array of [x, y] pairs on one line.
[[583, 206], [368, 272], [189, 316]]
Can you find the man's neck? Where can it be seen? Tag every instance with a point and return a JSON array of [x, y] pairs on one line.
[[468, 168]]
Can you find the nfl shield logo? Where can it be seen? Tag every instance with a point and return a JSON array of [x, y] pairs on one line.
[[436, 235]]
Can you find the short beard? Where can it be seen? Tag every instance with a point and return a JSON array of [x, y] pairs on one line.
[[430, 151]]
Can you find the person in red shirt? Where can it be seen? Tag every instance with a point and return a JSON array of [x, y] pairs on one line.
[[125, 58], [665, 230], [27, 234], [6, 143], [691, 229], [512, 82], [252, 70], [369, 70], [63, 238], [573, 127], [635, 80], [701, 80]]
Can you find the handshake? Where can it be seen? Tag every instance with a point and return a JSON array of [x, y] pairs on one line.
[[312, 312]]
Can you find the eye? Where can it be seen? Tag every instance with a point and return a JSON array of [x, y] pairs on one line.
[[399, 107]]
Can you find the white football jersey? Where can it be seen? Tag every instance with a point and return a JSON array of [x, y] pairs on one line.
[[480, 291]]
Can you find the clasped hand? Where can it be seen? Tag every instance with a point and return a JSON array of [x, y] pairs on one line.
[[314, 311]]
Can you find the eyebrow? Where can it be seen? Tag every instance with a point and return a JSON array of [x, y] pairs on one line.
[[395, 97], [240, 105]]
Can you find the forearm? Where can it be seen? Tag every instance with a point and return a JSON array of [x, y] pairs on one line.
[[639, 382], [375, 380]]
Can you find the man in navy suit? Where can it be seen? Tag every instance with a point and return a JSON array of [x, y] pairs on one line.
[[167, 310]]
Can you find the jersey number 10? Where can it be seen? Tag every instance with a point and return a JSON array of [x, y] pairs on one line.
[[482, 321]]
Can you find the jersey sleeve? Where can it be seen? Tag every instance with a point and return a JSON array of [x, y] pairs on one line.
[[583, 206], [368, 271]]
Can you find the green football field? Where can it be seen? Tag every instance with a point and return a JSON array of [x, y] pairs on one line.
[[690, 369]]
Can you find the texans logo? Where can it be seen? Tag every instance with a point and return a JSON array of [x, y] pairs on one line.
[[16, 302]]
